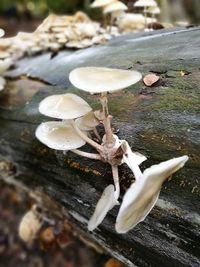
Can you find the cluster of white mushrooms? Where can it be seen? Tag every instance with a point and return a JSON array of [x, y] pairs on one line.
[[79, 31], [128, 22], [5, 63], [56, 33], [73, 131]]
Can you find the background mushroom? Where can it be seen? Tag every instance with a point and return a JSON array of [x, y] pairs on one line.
[[115, 9], [2, 32], [5, 64], [145, 4], [153, 10]]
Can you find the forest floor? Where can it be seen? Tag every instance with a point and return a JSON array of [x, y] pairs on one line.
[[14, 252]]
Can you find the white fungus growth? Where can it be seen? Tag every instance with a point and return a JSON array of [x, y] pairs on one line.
[[66, 106], [105, 203], [70, 134], [59, 135], [141, 197], [99, 80]]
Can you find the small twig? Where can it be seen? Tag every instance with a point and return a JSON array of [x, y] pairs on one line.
[[86, 154]]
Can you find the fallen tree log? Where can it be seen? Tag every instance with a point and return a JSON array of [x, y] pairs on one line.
[[161, 122]]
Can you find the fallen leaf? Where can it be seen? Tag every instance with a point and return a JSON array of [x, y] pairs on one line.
[[150, 79], [113, 263]]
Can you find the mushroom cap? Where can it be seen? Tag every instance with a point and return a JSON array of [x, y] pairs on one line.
[[65, 106], [98, 80], [105, 203], [4, 54], [117, 14], [153, 10], [101, 3], [2, 83], [5, 64], [141, 197], [59, 135], [114, 6], [145, 3], [87, 29], [2, 32], [87, 122], [6, 42]]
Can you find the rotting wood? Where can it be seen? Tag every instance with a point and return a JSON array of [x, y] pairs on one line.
[[161, 122]]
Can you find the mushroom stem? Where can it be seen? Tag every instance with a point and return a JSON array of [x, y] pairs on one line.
[[115, 174], [85, 138], [86, 154], [106, 120], [104, 21], [110, 22], [145, 15], [152, 20], [129, 159], [97, 134]]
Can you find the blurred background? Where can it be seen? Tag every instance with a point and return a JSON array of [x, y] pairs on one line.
[[26, 15]]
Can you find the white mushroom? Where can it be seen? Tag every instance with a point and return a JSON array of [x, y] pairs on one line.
[[71, 34], [2, 32], [105, 203], [5, 64], [59, 136], [99, 80], [87, 29], [101, 3], [5, 43], [87, 122], [4, 54], [115, 6], [64, 106], [132, 159], [143, 194], [2, 83], [130, 22], [154, 10], [145, 4]]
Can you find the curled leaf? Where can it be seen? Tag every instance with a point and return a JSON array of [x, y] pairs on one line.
[[150, 79]]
